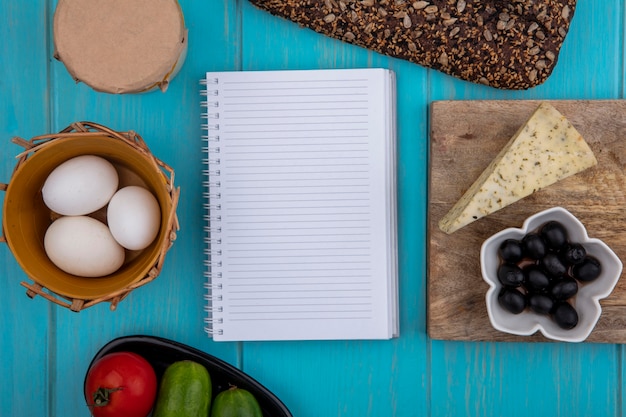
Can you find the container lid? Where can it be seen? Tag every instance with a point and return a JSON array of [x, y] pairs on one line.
[[120, 46]]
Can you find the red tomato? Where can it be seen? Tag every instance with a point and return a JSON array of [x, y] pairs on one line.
[[121, 384]]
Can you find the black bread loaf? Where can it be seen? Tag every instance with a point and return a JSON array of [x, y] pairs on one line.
[[511, 44]]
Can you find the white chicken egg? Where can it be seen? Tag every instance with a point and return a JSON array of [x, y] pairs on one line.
[[134, 217], [83, 246], [80, 185]]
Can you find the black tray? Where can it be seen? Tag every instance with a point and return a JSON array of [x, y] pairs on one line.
[[163, 352]]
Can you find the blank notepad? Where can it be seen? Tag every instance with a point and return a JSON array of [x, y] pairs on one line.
[[300, 205]]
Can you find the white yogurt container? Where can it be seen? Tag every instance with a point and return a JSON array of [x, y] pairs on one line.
[[120, 46]]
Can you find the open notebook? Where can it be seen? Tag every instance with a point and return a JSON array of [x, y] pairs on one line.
[[300, 205]]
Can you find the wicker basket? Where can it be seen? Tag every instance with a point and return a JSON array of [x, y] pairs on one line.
[[26, 218]]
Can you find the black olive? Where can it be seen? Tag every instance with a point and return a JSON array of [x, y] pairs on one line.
[[553, 265], [540, 303], [535, 279], [564, 288], [512, 300], [542, 271], [588, 270], [574, 254], [510, 250], [565, 316], [554, 235], [534, 246], [510, 275]]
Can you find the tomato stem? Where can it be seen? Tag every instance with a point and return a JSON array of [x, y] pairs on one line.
[[102, 395]]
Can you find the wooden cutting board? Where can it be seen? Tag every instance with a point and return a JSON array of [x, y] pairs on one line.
[[465, 137]]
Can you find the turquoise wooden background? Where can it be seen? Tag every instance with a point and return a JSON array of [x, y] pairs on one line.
[[44, 349]]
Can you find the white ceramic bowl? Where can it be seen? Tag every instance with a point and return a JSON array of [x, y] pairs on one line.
[[586, 302]]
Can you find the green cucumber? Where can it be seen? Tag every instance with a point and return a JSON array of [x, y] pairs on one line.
[[185, 391], [235, 402]]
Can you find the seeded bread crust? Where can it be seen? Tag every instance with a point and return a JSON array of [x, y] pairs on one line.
[[510, 44]]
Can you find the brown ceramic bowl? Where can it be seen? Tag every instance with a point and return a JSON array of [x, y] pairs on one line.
[[26, 217]]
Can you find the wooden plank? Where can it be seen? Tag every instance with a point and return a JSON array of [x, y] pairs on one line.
[[465, 136], [357, 378], [525, 379], [483, 378], [24, 385], [172, 306], [45, 349]]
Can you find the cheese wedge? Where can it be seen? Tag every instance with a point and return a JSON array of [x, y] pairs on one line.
[[546, 149]]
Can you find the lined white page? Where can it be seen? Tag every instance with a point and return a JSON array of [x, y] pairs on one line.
[[305, 166]]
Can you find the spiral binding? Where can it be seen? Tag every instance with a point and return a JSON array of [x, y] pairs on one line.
[[212, 206]]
